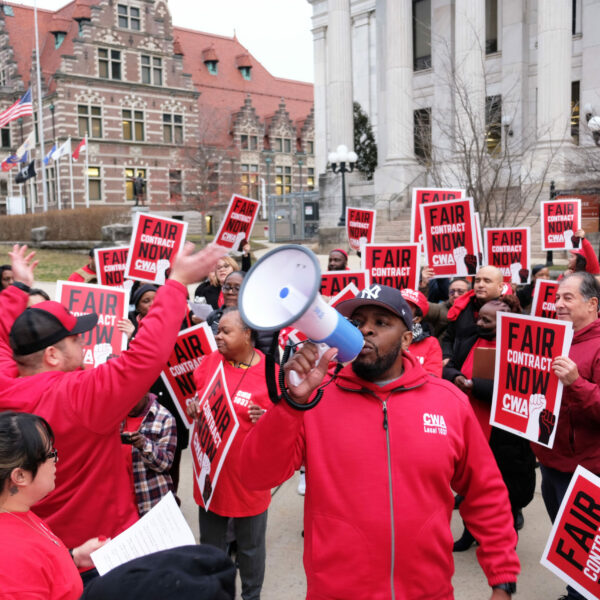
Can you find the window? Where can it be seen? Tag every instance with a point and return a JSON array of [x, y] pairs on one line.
[[59, 38], [130, 175], [175, 185], [172, 128], [310, 179], [310, 147], [493, 123], [283, 180], [287, 145], [245, 71], [8, 10], [491, 26], [3, 76], [421, 34], [94, 183], [5, 137], [248, 142], [81, 23], [576, 17], [89, 120], [129, 17], [422, 134], [278, 147], [211, 65], [50, 184], [575, 112], [249, 180], [109, 63], [152, 71], [133, 125]]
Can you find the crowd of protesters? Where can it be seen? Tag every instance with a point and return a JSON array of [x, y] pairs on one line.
[[120, 437]]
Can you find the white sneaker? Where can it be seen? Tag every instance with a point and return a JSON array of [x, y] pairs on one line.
[[302, 484]]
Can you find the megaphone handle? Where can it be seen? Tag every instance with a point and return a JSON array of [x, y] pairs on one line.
[[294, 378]]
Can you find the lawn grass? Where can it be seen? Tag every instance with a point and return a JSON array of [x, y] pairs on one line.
[[54, 264]]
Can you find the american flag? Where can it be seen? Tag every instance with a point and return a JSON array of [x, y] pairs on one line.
[[19, 109]]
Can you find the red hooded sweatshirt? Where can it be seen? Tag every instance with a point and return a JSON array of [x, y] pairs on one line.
[[381, 463], [578, 429]]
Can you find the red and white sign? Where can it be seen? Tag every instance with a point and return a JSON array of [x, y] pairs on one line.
[[395, 265], [348, 293], [155, 242], [212, 435], [573, 548], [110, 304], [111, 264], [333, 282], [560, 219], [191, 346], [450, 240], [360, 226], [509, 249], [544, 299], [424, 196], [527, 393], [238, 222]]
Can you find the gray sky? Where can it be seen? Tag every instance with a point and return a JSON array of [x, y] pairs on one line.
[[276, 32]]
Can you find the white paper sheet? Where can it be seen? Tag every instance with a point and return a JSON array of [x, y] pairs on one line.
[[200, 310], [162, 528]]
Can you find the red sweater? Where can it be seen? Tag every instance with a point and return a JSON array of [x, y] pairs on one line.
[[231, 497], [578, 429], [378, 457], [429, 354], [85, 408], [32, 567]]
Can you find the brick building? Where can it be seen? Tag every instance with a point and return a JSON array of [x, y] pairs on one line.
[[195, 114]]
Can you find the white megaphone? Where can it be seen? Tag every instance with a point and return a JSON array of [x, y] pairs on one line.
[[282, 289]]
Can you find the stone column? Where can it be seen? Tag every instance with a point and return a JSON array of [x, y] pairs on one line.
[[340, 128], [361, 60], [320, 95], [590, 69], [553, 70]]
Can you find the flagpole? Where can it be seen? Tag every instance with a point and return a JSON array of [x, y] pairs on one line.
[[71, 174], [40, 112], [85, 174], [57, 167]]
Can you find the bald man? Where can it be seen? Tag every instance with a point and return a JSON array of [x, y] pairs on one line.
[[462, 316]]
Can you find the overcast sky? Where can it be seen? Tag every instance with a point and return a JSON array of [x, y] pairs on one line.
[[276, 32]]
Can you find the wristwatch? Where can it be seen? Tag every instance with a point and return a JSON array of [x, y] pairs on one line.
[[509, 588]]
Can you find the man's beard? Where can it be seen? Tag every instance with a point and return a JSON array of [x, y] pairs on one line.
[[372, 371]]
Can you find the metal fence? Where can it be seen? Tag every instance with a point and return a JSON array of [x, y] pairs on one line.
[[293, 217]]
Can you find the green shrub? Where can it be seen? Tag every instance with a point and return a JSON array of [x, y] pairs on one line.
[[63, 225]]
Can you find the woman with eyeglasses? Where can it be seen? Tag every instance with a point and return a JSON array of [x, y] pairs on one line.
[[34, 563], [211, 290], [231, 289]]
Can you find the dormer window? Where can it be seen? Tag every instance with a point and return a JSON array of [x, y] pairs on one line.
[[210, 59], [59, 38], [129, 17], [8, 10], [244, 65], [245, 71], [211, 66]]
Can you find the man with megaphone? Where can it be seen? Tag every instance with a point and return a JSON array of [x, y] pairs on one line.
[[383, 450]]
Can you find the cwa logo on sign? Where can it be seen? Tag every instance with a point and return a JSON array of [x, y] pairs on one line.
[[434, 424]]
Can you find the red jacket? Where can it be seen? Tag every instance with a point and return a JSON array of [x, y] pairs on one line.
[[84, 275], [381, 464], [93, 493], [578, 428], [429, 354], [231, 497]]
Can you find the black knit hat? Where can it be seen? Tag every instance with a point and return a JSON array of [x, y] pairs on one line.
[[137, 295], [186, 573]]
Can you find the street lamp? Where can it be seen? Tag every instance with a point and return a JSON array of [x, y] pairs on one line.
[[52, 107], [342, 162], [300, 163]]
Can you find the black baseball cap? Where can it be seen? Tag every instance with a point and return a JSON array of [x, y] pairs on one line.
[[45, 324], [379, 295]]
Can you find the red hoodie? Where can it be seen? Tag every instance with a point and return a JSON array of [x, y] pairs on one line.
[[381, 463], [578, 429], [93, 493]]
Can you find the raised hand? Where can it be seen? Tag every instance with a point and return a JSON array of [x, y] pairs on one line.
[[515, 268], [471, 263], [162, 266], [537, 403], [23, 264], [524, 275], [547, 423], [568, 235], [459, 260], [189, 267]]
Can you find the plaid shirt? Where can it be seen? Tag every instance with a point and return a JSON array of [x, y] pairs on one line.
[[151, 464]]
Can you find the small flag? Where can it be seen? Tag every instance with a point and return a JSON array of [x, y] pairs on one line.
[[81, 147], [28, 144], [62, 150], [49, 155], [9, 162], [26, 173], [20, 108]]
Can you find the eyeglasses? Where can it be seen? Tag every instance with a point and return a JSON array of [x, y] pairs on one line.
[[53, 455], [221, 267], [456, 292], [231, 288]]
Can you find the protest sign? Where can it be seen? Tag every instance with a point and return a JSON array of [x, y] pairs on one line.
[[544, 298], [212, 435], [573, 548], [560, 219], [238, 222], [450, 241], [333, 282], [395, 265], [110, 265], [424, 196], [360, 226], [178, 376], [110, 304], [155, 242], [527, 393], [509, 249], [348, 293]]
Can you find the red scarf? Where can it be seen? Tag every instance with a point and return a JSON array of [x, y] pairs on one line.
[[459, 305]]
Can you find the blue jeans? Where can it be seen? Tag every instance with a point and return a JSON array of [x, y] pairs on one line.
[[554, 488]]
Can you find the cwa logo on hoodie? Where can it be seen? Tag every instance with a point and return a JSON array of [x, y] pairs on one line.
[[434, 424]]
